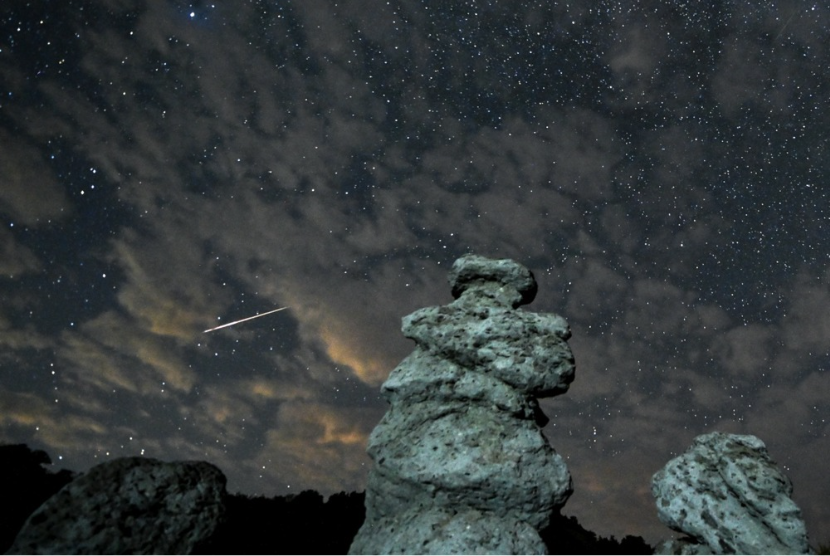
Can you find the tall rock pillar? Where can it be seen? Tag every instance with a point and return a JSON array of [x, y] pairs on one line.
[[460, 462]]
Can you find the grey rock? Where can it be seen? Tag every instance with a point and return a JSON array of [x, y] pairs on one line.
[[505, 279], [727, 494], [442, 531], [460, 463], [129, 506], [684, 546], [525, 350]]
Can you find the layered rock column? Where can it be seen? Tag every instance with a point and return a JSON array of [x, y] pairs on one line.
[[729, 497], [460, 462]]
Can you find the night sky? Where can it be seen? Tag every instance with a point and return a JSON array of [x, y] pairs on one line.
[[167, 167]]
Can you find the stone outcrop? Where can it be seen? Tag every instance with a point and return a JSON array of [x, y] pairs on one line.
[[686, 546], [129, 506], [460, 463], [729, 497]]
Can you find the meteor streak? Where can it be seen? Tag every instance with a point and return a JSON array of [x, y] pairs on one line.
[[243, 320]]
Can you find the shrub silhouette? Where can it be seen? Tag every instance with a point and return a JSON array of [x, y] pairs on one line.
[[24, 486], [564, 535], [299, 524]]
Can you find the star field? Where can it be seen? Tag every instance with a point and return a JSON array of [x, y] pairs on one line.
[[169, 167]]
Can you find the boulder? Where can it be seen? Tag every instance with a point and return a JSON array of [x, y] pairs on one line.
[[460, 462], [729, 497], [129, 506]]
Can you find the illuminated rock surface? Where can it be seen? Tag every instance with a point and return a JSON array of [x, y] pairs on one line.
[[129, 506], [460, 463], [728, 496]]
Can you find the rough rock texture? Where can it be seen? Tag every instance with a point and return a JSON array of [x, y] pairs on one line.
[[684, 546], [728, 495], [129, 506], [460, 463]]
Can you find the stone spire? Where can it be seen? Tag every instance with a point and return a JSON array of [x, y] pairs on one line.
[[460, 462]]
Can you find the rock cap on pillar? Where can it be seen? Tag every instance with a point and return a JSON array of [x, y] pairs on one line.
[[505, 276]]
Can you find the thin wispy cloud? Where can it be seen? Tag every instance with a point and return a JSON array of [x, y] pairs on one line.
[[167, 169]]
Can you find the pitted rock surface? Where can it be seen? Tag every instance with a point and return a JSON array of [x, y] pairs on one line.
[[129, 506], [687, 546], [460, 463], [726, 493], [469, 532], [505, 279]]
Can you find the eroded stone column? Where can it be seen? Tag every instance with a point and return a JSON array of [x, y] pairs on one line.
[[460, 461]]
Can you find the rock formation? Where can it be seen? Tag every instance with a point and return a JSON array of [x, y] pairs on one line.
[[728, 496], [460, 463], [129, 506]]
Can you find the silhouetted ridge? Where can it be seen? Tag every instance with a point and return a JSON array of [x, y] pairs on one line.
[[564, 535], [295, 524]]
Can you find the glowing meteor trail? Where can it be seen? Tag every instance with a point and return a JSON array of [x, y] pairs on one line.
[[243, 320]]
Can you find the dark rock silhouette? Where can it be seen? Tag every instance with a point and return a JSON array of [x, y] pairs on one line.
[[300, 524], [129, 506], [297, 524], [729, 497], [24, 485], [460, 461], [564, 535]]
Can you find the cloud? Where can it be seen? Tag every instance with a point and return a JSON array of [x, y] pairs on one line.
[[109, 353], [15, 337], [618, 486], [168, 288], [336, 159], [635, 60], [45, 421], [24, 409], [93, 366], [29, 193], [745, 350], [15, 259], [806, 329], [318, 446], [744, 80]]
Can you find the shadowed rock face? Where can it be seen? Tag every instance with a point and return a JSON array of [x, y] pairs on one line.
[[728, 495], [129, 506], [461, 465]]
